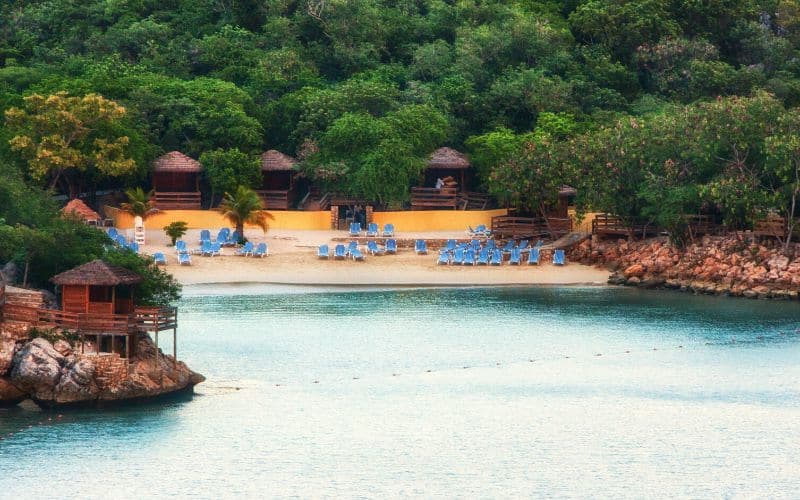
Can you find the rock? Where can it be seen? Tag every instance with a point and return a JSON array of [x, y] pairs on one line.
[[63, 347], [7, 349], [633, 281], [636, 270], [77, 384], [8, 273], [10, 394], [37, 369], [750, 294]]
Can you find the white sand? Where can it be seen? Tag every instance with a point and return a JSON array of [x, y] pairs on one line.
[[293, 261]]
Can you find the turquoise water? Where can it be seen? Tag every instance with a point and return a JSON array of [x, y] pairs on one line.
[[444, 393]]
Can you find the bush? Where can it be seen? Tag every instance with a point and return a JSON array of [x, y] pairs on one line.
[[175, 230]]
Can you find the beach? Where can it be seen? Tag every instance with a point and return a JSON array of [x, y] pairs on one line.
[[293, 261]]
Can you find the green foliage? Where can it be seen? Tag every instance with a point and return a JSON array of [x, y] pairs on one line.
[[175, 230], [158, 287], [53, 335], [226, 169], [244, 206], [139, 203]]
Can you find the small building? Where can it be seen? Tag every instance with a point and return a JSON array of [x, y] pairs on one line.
[[446, 176], [278, 188], [77, 208], [97, 288], [176, 182]]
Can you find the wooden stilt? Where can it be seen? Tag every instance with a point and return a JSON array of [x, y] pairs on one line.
[[175, 346]]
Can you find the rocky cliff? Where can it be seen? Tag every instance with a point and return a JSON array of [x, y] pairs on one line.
[[714, 265], [55, 375]]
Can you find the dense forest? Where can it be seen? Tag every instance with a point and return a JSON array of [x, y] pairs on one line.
[[652, 109]]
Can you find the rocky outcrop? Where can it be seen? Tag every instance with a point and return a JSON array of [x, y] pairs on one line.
[[715, 265], [58, 376]]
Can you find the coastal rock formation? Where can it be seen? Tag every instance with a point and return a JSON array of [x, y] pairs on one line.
[[714, 265], [58, 375]]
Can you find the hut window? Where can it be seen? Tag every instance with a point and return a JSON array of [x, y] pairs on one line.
[[99, 294]]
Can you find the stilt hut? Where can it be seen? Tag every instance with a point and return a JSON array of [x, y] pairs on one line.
[[176, 182], [448, 172], [97, 288], [278, 188]]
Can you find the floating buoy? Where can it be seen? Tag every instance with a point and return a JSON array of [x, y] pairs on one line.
[[680, 347], [598, 354], [427, 371], [316, 381], [355, 378]]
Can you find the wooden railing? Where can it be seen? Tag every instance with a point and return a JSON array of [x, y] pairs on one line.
[[530, 227], [774, 227], [469, 200], [432, 198], [177, 200], [156, 319], [277, 199], [142, 320], [607, 224]]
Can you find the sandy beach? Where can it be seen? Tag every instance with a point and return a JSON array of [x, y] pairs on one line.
[[293, 261]]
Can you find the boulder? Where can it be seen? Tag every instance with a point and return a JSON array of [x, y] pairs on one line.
[[636, 270], [10, 394], [37, 369], [77, 383], [7, 349]]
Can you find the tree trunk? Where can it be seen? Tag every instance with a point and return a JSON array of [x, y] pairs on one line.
[[240, 230], [25, 273]]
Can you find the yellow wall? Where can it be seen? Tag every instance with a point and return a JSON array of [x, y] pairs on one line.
[[417, 220], [210, 219], [437, 220]]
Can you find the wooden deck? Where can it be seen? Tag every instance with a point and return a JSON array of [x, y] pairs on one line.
[[470, 200], [771, 227], [177, 200], [611, 225], [434, 199], [530, 227], [277, 199]]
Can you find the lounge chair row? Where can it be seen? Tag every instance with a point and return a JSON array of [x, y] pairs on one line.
[[210, 249], [372, 230], [224, 237], [184, 259], [120, 240], [479, 231], [341, 252], [494, 257]]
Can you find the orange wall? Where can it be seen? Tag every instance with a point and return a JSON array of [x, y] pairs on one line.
[[437, 220], [209, 219]]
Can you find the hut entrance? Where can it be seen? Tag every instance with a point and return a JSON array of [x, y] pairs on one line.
[[277, 180], [176, 182]]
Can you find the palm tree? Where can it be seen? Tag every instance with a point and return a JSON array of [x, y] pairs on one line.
[[244, 206], [139, 203]]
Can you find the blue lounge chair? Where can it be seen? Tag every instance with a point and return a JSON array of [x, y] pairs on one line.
[[134, 247], [481, 229], [388, 230], [223, 234], [373, 248], [112, 233], [352, 246], [533, 256], [421, 247], [559, 258], [339, 252], [372, 230], [444, 258], [180, 247], [539, 244], [491, 245], [357, 255], [205, 235], [355, 228], [515, 258], [323, 252], [261, 250], [510, 244], [232, 240], [458, 256], [185, 259], [121, 241], [476, 245], [450, 245], [159, 259], [469, 257], [391, 246], [206, 249], [483, 257], [246, 250], [497, 257], [523, 245]]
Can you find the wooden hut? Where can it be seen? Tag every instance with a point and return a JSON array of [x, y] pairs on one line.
[[77, 208], [97, 288], [450, 166], [176, 182], [278, 188]]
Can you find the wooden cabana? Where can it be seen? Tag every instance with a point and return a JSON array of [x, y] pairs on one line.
[[444, 163], [176, 182], [77, 208], [97, 288], [278, 188]]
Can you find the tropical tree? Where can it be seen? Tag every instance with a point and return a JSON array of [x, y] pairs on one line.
[[139, 203], [64, 137], [225, 169], [244, 206]]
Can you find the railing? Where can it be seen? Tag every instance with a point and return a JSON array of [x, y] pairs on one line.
[[276, 199], [432, 198], [324, 202], [774, 227], [469, 200], [530, 227], [177, 200], [607, 224], [143, 319], [156, 319]]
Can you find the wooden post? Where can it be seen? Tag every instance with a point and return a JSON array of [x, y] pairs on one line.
[[175, 346], [128, 347], [113, 343], [97, 346], [113, 302]]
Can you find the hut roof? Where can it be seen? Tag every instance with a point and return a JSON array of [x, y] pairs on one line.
[[567, 191], [97, 272], [175, 161], [275, 161], [80, 209], [448, 158]]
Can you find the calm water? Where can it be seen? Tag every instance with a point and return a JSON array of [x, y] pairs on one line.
[[432, 393]]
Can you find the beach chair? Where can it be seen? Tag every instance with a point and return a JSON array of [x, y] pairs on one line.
[[510, 244], [491, 245], [323, 252], [469, 257], [559, 258], [444, 258], [180, 247], [523, 245], [538, 244], [355, 228], [222, 235], [261, 250], [357, 255], [373, 248], [516, 256], [205, 235], [391, 246], [476, 245], [480, 230], [232, 239], [159, 259], [497, 257], [206, 249], [246, 250], [533, 256], [372, 230], [421, 247], [450, 245], [483, 257], [458, 256], [388, 230], [339, 252], [185, 259], [352, 246], [121, 241], [112, 233], [134, 247]]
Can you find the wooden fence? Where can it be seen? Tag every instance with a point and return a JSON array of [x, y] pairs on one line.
[[177, 200], [432, 198]]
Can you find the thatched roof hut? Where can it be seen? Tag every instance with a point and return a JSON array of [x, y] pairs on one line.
[[97, 273], [275, 161], [175, 161], [78, 208], [448, 159]]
